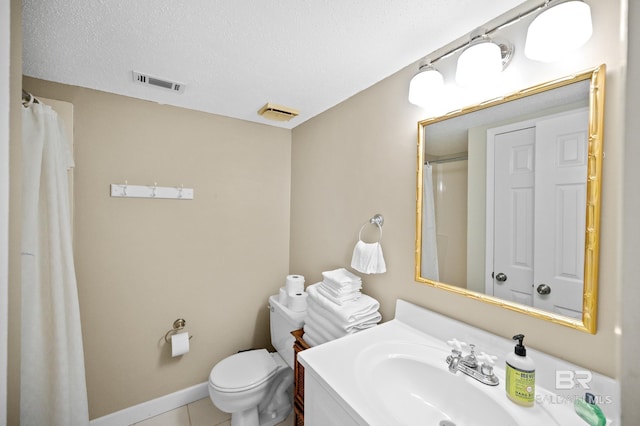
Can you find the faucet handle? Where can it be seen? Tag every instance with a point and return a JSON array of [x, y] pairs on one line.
[[487, 363], [486, 358], [457, 344]]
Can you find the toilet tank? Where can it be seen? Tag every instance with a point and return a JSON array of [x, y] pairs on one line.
[[282, 322]]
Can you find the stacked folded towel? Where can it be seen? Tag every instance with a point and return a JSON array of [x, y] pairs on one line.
[[340, 286], [336, 308]]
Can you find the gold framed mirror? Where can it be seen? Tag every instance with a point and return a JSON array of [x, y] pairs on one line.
[[508, 200]]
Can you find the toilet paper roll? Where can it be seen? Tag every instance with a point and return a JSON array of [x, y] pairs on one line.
[[294, 284], [179, 344], [283, 298], [298, 302]]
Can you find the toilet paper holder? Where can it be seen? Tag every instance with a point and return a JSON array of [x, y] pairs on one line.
[[178, 325]]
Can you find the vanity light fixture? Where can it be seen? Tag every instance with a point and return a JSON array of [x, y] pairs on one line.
[[425, 84], [482, 61], [560, 27]]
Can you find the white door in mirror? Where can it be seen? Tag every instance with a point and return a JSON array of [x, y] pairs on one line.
[[539, 212], [561, 217], [514, 171]]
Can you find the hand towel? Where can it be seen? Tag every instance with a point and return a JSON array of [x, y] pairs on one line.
[[368, 259], [339, 290], [340, 294], [341, 277], [341, 299], [349, 312]]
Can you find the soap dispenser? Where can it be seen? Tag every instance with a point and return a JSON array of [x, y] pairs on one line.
[[520, 382], [589, 411]]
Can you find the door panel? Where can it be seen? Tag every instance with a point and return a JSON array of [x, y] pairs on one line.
[[539, 205], [514, 160], [561, 212]]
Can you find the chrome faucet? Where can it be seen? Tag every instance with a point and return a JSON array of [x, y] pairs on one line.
[[480, 368], [470, 360], [453, 360]]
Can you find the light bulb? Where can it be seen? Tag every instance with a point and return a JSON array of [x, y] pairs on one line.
[[480, 63], [425, 86], [558, 30]]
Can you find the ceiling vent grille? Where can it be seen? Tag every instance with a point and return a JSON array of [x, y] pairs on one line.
[[277, 112], [158, 82]]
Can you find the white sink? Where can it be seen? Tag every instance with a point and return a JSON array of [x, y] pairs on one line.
[[396, 374], [410, 384]]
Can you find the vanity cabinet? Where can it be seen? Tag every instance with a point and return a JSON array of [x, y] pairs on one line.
[[325, 407], [298, 377]]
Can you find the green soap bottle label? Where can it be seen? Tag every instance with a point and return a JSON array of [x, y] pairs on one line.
[[521, 385]]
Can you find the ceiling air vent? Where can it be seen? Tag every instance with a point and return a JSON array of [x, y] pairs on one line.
[[158, 82], [277, 112]]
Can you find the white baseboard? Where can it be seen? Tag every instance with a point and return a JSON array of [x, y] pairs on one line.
[[154, 407]]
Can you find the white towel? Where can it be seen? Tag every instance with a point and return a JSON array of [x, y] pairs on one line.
[[339, 290], [349, 312], [340, 299], [368, 259], [340, 294], [338, 322], [321, 318], [310, 339], [317, 335], [341, 277], [344, 295]]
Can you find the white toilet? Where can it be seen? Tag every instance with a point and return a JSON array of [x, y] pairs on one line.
[[256, 386]]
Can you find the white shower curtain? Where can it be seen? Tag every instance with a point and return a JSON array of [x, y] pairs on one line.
[[52, 388], [429, 267]]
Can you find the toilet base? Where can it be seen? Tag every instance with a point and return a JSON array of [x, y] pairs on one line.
[[275, 417], [280, 405], [252, 417], [245, 418], [276, 406], [266, 404]]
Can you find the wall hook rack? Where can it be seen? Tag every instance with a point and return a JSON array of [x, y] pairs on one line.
[[124, 190]]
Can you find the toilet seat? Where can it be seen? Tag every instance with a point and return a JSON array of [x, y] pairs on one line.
[[242, 371]]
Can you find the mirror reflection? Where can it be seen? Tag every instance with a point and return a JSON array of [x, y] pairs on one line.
[[504, 200]]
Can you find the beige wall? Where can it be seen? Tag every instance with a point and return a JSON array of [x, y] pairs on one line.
[[359, 158], [143, 263], [355, 160]]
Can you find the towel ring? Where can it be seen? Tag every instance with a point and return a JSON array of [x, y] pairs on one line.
[[377, 220]]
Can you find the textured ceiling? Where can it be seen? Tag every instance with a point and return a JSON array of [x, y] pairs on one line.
[[233, 56]]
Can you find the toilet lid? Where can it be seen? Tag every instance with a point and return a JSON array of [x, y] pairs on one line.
[[243, 370]]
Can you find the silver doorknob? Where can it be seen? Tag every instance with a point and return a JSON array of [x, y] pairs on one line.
[[501, 277], [543, 289]]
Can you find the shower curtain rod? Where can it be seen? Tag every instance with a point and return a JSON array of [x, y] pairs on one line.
[[447, 160], [28, 98]]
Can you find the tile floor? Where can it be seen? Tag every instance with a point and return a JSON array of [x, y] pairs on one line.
[[198, 413]]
